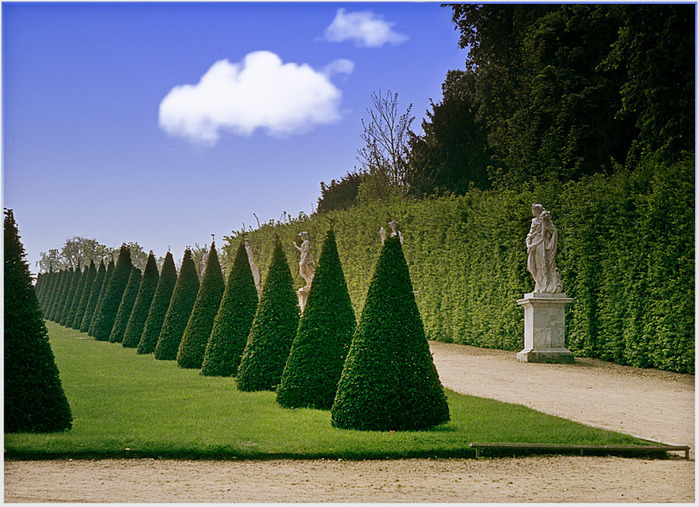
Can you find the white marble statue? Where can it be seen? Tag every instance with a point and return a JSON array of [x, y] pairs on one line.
[[542, 242], [306, 263], [253, 266], [394, 232]]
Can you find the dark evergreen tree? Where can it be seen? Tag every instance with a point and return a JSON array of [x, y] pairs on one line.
[[324, 335], [158, 307], [85, 296], [70, 294], [100, 298], [128, 300], [233, 320], [196, 334], [104, 319], [80, 288], [389, 381], [273, 329], [181, 304], [34, 398], [139, 314], [93, 297]]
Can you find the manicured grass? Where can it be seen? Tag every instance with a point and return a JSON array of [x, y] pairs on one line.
[[125, 404]]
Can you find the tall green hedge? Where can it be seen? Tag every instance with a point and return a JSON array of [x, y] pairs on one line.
[[94, 297], [107, 312], [158, 307], [273, 329], [626, 256], [139, 313], [389, 381], [179, 310], [126, 306], [34, 399], [198, 330], [233, 321], [322, 341], [85, 296]]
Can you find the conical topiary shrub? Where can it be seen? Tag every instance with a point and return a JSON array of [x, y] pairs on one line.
[[139, 313], [389, 381], [273, 329], [51, 299], [233, 320], [34, 398], [70, 295], [77, 295], [126, 306], [57, 304], [94, 297], [158, 307], [50, 291], [108, 308], [181, 304], [98, 308], [323, 338], [196, 334], [85, 296]]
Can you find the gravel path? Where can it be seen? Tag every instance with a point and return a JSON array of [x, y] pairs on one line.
[[650, 404]]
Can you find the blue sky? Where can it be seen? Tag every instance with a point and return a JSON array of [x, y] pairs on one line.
[[164, 123]]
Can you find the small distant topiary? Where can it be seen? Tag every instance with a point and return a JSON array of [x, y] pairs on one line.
[[196, 334], [126, 306], [181, 304], [34, 398], [324, 335], [62, 317], [49, 291], [233, 320], [158, 307], [57, 303], [85, 296], [273, 329], [139, 313], [389, 381], [77, 296], [100, 299], [94, 297], [112, 297]]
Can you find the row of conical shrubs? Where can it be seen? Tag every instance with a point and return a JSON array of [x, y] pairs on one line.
[[377, 375]]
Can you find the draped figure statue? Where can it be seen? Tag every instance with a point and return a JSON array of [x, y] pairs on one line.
[[306, 263], [542, 242]]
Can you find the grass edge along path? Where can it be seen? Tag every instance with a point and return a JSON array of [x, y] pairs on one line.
[[130, 405]]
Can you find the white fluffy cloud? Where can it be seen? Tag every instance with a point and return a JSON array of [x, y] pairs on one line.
[[365, 28], [260, 92]]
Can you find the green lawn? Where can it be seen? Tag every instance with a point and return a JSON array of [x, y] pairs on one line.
[[126, 404]]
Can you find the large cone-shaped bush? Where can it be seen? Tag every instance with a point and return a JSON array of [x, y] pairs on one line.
[[139, 313], [181, 304], [126, 306], [324, 335], [158, 307], [94, 297], [85, 296], [196, 334], [233, 320], [34, 397], [100, 299], [107, 311], [389, 381], [273, 329]]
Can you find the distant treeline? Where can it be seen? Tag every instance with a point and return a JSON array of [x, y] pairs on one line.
[[550, 92], [626, 256]]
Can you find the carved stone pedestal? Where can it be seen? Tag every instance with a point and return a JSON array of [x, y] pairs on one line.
[[303, 296], [544, 328]]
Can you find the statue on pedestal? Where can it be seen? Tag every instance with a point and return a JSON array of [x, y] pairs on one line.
[[306, 263], [393, 224], [542, 242]]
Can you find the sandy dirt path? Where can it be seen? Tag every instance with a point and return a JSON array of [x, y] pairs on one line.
[[651, 404]]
